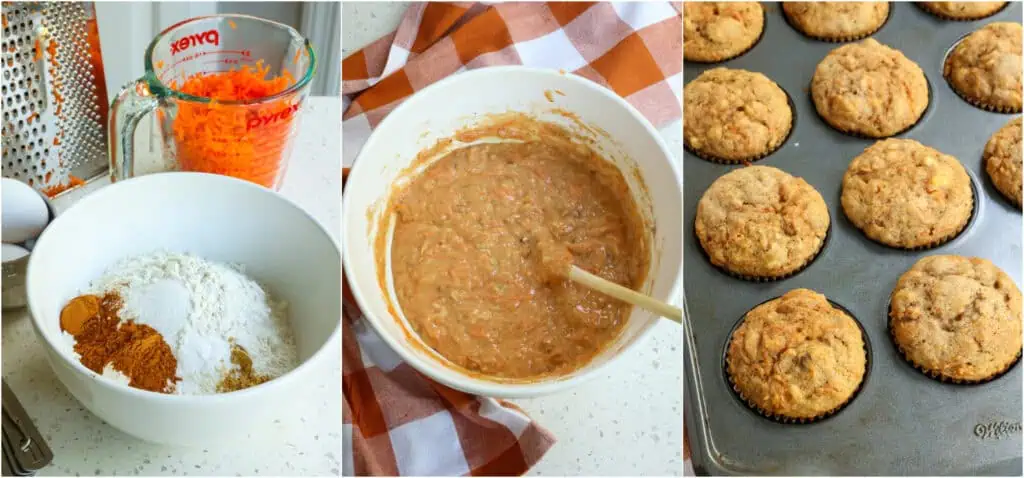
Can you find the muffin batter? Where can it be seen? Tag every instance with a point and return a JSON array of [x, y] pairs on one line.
[[476, 239]]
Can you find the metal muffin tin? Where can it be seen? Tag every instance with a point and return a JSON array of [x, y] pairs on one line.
[[902, 422]]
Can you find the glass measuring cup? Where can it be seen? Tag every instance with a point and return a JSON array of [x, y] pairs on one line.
[[264, 67]]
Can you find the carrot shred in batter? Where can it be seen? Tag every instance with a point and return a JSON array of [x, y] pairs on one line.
[[249, 142]]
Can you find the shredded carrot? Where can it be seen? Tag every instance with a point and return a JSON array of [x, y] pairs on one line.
[[159, 63], [73, 182], [31, 117], [51, 48], [56, 141], [295, 60], [49, 175], [37, 52], [4, 17], [232, 24], [250, 142]]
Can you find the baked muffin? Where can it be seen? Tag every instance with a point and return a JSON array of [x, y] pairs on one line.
[[961, 10], [904, 194], [732, 116], [985, 67], [718, 31], [869, 89], [957, 318], [1003, 160], [836, 21], [759, 222], [797, 358]]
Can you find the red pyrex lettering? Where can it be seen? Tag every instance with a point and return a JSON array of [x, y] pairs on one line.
[[261, 120], [210, 37]]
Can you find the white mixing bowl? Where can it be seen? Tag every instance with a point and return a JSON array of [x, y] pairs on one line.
[[217, 218], [459, 101]]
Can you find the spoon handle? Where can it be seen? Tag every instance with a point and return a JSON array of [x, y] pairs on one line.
[[625, 294]]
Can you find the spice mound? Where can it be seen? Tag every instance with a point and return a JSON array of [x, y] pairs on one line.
[[176, 323], [103, 343]]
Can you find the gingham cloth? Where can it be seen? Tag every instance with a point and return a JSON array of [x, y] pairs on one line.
[[396, 421], [633, 48]]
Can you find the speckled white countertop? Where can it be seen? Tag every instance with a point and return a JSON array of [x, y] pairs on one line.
[[626, 422], [306, 444]]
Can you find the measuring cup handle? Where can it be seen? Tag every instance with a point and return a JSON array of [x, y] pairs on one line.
[[127, 109]]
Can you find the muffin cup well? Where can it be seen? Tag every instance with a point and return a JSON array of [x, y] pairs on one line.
[[736, 275], [785, 420], [943, 16], [937, 375], [771, 150], [857, 134], [839, 39]]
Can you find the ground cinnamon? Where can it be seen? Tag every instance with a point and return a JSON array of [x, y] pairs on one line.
[[242, 375], [101, 338]]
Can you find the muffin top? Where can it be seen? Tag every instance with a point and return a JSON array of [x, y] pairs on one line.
[[735, 115], [717, 31], [957, 316], [836, 20], [759, 221], [985, 67], [797, 356], [869, 89], [962, 10], [905, 194], [1003, 160]]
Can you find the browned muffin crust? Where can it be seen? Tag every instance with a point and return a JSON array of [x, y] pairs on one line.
[[761, 222], [957, 317], [718, 31], [735, 115], [1003, 160], [907, 195], [985, 67], [962, 10], [869, 89], [797, 356], [835, 21]]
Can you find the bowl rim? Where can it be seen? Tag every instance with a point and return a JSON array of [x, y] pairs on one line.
[[332, 342], [480, 385]]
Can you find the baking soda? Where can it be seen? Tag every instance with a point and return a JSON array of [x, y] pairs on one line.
[[200, 307]]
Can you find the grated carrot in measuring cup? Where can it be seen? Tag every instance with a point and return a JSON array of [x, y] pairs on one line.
[[248, 142]]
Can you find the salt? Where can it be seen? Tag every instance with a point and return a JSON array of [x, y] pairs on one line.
[[163, 305]]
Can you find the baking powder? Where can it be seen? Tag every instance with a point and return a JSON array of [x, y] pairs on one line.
[[199, 307]]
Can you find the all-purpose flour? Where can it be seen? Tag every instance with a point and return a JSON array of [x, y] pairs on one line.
[[198, 306]]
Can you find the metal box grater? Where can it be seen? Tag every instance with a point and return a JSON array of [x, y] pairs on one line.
[[54, 98]]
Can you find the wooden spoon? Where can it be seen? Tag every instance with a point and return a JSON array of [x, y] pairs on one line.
[[624, 294], [557, 259]]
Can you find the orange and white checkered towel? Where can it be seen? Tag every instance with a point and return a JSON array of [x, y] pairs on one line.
[[633, 48]]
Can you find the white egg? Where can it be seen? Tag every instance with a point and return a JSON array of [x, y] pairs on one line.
[[24, 212], [12, 252]]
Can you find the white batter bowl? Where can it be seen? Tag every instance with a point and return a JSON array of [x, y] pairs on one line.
[[460, 101], [219, 219]]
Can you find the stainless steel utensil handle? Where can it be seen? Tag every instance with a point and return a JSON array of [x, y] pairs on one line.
[[131, 104]]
